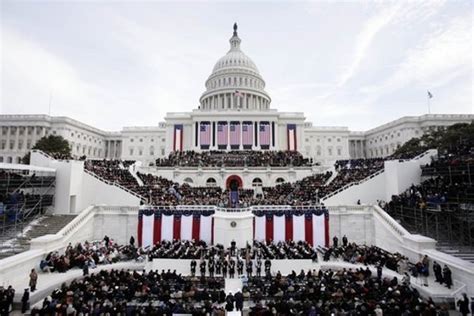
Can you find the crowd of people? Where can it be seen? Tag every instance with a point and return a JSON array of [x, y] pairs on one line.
[[157, 190], [367, 255], [124, 292], [344, 292], [237, 158], [88, 255], [7, 296], [113, 171], [190, 249]]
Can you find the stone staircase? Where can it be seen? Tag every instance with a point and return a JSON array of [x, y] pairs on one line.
[[461, 252], [12, 243]]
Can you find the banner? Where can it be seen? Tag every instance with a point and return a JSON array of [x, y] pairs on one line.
[[311, 226], [157, 225], [291, 134], [178, 138]]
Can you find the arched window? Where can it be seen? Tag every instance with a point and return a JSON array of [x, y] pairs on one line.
[[189, 180], [211, 182], [257, 182], [280, 180]]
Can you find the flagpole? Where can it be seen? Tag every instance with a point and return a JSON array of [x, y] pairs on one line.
[[428, 101]]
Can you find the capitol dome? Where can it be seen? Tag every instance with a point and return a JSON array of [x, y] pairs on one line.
[[235, 82]]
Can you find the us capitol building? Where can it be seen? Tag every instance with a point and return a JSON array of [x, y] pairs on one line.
[[235, 113]]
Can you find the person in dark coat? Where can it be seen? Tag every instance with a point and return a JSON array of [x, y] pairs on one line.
[[447, 277], [268, 265], [132, 241], [193, 267], [379, 271], [24, 301], [259, 268], [85, 268], [229, 305], [211, 267], [202, 268], [438, 272], [463, 305], [33, 280], [335, 240], [225, 264], [344, 241], [106, 240], [239, 301], [231, 268]]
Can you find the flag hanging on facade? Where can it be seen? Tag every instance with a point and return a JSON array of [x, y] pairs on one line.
[[205, 134], [222, 134], [247, 135], [264, 134], [235, 134]]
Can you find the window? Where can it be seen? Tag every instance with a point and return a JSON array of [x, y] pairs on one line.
[[141, 140], [339, 152], [329, 140], [22, 130], [4, 131], [330, 151], [279, 180], [140, 152], [28, 144], [152, 151], [20, 144], [211, 182], [162, 151], [338, 140], [131, 151], [1, 159], [131, 140], [4, 144], [12, 144], [257, 182]]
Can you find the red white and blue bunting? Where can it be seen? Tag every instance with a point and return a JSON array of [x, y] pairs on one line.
[[158, 225], [311, 226]]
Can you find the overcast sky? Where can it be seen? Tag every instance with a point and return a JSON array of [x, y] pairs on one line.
[[357, 64]]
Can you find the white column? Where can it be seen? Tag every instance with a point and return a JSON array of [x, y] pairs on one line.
[[240, 142]]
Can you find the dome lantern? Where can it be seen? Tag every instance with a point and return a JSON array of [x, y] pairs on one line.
[[235, 82]]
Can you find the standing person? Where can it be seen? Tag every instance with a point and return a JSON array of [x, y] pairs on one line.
[[202, 267], [106, 240], [225, 264], [438, 272], [259, 268], [249, 268], [132, 241], [218, 266], [268, 265], [211, 267], [464, 305], [193, 267], [447, 276], [379, 272], [335, 241], [24, 301], [231, 268], [239, 301], [344, 241], [33, 280], [85, 268], [229, 306]]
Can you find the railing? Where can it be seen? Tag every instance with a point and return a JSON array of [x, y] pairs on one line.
[[232, 210], [399, 229], [114, 184]]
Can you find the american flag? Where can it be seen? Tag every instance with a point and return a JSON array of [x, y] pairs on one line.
[[235, 133], [237, 93], [264, 134], [222, 133], [247, 134], [205, 134]]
